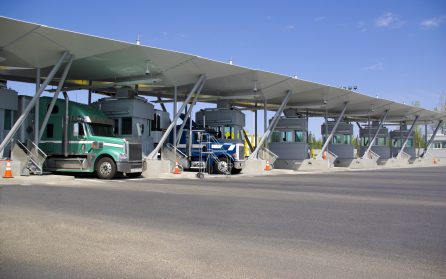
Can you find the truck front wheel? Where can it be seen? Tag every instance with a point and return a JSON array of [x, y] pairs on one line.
[[106, 168]]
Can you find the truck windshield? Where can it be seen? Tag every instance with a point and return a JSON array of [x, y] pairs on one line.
[[101, 130]]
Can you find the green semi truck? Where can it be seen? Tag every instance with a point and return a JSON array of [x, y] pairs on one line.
[[80, 138]]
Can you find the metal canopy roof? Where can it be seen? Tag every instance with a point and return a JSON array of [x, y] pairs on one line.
[[109, 64]]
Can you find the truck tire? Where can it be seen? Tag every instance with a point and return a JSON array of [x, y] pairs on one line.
[[219, 167], [133, 174], [236, 171], [106, 168]]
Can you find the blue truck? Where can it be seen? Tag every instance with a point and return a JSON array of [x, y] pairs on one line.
[[207, 152], [216, 141]]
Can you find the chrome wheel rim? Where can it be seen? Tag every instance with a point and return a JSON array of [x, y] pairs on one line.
[[105, 169], [222, 166]]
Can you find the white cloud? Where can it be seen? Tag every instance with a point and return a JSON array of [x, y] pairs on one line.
[[374, 67], [432, 22], [389, 20], [319, 18], [290, 27]]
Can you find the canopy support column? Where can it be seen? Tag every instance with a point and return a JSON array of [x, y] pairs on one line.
[[89, 92], [381, 123], [255, 127], [154, 153], [271, 126], [428, 145], [175, 107], [33, 102], [188, 113], [407, 137], [55, 96], [335, 127], [36, 110], [265, 119]]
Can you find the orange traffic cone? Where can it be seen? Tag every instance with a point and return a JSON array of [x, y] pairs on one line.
[[177, 168], [8, 170], [268, 166]]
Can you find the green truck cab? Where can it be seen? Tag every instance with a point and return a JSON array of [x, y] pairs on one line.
[[81, 140]]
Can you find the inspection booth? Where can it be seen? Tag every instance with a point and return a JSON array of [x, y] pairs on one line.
[[397, 138], [380, 147], [289, 141], [340, 146], [228, 124], [8, 107], [132, 116]]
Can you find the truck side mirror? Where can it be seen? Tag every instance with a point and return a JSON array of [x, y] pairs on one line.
[[75, 129]]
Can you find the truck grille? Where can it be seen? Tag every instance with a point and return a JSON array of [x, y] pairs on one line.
[[135, 152]]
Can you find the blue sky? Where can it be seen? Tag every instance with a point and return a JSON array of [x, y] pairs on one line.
[[393, 49]]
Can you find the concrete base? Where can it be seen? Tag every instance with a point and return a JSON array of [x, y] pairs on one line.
[[396, 163], [254, 167], [363, 164], [157, 168], [425, 162], [343, 162], [302, 165], [15, 167], [314, 165]]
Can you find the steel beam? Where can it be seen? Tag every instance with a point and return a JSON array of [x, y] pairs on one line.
[[407, 137], [163, 107], [431, 140], [33, 101], [375, 135], [55, 96], [335, 127], [188, 114], [251, 148], [155, 151], [271, 126]]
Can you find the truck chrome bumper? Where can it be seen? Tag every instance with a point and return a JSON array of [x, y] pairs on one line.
[[129, 167]]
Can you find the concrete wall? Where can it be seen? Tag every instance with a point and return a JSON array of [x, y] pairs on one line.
[[408, 150], [343, 151], [382, 151], [290, 150]]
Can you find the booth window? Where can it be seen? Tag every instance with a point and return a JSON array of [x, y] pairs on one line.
[[7, 121], [116, 127], [49, 131], [380, 141], [300, 136], [229, 132], [126, 126]]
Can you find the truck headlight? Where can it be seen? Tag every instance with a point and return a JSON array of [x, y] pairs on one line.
[[123, 156]]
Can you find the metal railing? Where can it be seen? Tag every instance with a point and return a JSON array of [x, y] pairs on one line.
[[372, 155], [268, 155], [173, 154], [31, 156], [331, 157], [404, 156]]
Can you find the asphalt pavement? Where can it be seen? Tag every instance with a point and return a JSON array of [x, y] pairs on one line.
[[356, 224]]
